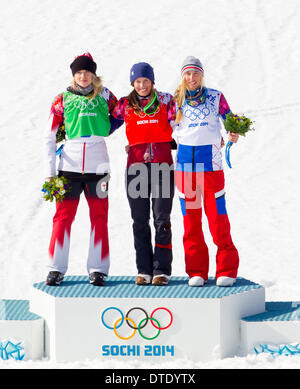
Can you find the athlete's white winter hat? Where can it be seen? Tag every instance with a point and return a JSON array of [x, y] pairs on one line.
[[191, 64]]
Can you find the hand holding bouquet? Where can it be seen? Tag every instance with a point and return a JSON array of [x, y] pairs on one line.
[[56, 188], [236, 124]]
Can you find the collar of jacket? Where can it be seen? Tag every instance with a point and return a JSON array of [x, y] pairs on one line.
[[81, 91], [196, 97]]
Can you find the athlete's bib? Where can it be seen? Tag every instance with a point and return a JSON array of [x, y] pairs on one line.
[[84, 117]]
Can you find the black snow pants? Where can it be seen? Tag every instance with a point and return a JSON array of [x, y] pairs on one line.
[[145, 188]]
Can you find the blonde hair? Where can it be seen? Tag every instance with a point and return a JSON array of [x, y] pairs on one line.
[[97, 84], [179, 97]]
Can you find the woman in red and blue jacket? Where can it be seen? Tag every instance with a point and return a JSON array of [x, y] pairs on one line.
[[199, 175], [149, 173]]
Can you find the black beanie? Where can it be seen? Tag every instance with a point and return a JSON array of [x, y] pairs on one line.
[[83, 62]]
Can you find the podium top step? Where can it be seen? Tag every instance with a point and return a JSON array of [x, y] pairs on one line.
[[125, 287], [16, 310], [277, 311]]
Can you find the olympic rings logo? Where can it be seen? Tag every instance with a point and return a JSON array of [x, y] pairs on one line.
[[142, 324], [90, 105], [81, 104], [196, 113]]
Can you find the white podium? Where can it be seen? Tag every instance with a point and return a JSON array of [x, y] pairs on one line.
[[127, 321], [278, 326], [21, 331]]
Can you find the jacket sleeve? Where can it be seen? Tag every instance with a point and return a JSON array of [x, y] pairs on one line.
[[172, 116], [172, 111], [117, 116], [111, 102], [171, 119], [224, 108], [115, 123], [56, 119]]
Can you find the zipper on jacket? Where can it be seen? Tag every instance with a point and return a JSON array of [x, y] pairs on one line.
[[83, 158]]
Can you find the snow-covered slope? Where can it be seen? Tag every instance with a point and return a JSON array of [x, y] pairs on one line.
[[250, 50]]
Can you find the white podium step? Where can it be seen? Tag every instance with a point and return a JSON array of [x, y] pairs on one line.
[[21, 332], [123, 320], [273, 330]]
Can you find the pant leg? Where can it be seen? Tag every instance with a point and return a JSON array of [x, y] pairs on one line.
[[140, 214], [227, 258], [97, 198], [162, 201], [62, 222], [195, 249]]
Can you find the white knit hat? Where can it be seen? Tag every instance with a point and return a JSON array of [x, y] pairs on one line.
[[191, 64]]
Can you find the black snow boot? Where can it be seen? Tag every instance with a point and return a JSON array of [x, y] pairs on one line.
[[97, 279], [54, 278]]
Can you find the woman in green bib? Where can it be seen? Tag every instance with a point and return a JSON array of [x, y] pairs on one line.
[[83, 111]]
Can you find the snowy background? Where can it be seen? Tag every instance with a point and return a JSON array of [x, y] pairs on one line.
[[250, 51]]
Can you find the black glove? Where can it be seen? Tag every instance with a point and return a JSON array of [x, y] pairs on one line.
[[173, 144]]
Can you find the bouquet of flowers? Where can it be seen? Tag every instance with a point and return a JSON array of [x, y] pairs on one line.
[[60, 137], [56, 188], [61, 134], [238, 124]]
